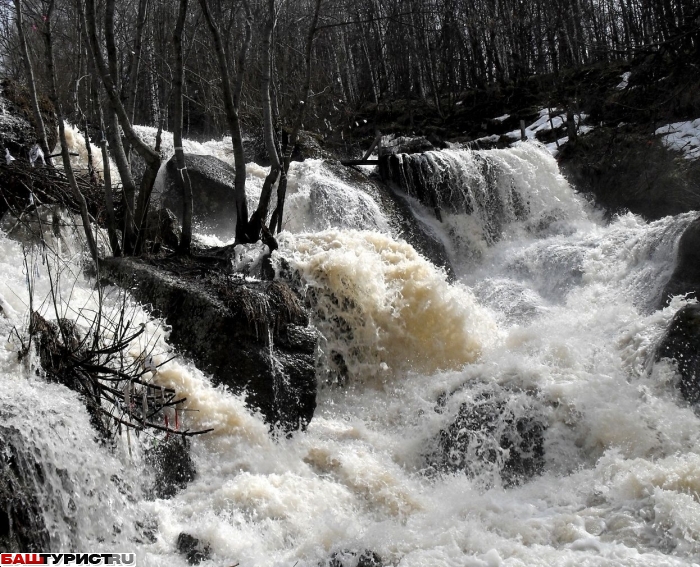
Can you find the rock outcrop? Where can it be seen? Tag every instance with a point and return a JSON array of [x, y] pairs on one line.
[[252, 336], [173, 466], [682, 345], [686, 276]]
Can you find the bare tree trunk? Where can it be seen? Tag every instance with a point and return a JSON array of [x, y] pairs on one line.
[[231, 101], [38, 120], [135, 60], [257, 221], [67, 167], [184, 178], [115, 142], [276, 220], [150, 156]]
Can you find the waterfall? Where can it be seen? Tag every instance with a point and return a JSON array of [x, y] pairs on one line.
[[482, 197], [515, 416]]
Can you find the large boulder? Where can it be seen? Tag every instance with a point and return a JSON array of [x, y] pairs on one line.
[[498, 432], [681, 344], [173, 466], [686, 276], [252, 336], [22, 527], [212, 191]]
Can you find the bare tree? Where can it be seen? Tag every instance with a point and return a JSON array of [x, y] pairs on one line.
[[183, 178], [67, 167], [38, 120], [232, 97]]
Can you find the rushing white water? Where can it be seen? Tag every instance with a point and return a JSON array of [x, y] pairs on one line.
[[559, 322]]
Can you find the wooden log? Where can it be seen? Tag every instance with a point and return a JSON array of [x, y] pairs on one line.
[[359, 162]]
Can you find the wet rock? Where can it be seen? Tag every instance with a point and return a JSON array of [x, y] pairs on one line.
[[194, 549], [367, 558], [308, 147], [252, 336], [22, 527], [407, 145], [682, 345], [212, 182], [686, 276], [162, 229], [496, 432], [173, 466]]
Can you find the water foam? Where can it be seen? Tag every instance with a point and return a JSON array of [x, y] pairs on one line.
[[488, 195], [576, 334], [382, 307]]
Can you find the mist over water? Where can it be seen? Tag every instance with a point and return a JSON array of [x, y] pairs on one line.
[[552, 319]]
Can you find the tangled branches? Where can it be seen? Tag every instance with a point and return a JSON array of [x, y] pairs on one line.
[[92, 353], [21, 184]]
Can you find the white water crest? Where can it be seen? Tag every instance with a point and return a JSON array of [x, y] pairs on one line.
[[488, 195], [553, 321]]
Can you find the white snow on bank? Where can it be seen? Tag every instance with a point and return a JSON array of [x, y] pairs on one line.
[[221, 149], [547, 120], [683, 137]]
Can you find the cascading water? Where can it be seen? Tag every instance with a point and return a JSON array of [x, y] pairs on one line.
[[515, 417], [482, 197]]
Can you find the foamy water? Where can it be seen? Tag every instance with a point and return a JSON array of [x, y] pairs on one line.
[[559, 321]]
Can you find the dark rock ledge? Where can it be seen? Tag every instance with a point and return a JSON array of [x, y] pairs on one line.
[[253, 336]]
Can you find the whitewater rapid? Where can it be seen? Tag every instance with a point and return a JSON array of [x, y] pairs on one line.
[[557, 316]]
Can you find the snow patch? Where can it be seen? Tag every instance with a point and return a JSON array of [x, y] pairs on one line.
[[683, 137]]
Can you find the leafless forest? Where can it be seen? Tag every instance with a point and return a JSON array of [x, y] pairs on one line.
[[270, 68]]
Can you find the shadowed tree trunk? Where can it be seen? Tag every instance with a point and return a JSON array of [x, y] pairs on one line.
[[231, 102], [183, 179], [68, 169], [134, 61], [106, 172], [257, 221], [36, 111], [149, 155], [111, 130]]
